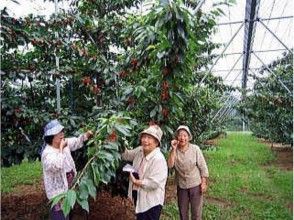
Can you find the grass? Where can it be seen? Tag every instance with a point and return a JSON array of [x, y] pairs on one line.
[[27, 173], [244, 184]]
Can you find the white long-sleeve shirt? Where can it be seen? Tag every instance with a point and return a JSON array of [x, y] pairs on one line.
[[56, 164], [154, 176]]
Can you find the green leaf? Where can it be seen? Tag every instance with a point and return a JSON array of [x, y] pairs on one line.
[[56, 199], [83, 190], [122, 129], [91, 188], [105, 155], [96, 175], [111, 146], [71, 196], [66, 206], [84, 204], [153, 112]]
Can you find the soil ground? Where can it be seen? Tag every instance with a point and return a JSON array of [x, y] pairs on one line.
[[29, 202]]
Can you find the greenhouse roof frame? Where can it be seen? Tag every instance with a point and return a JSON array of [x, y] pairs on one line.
[[264, 34], [251, 13]]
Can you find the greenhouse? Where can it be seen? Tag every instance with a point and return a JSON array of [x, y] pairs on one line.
[[128, 109]]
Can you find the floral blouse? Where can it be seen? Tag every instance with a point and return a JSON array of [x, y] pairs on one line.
[[56, 165]]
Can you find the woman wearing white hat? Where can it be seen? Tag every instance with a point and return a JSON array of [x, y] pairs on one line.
[[58, 165], [148, 189], [191, 173]]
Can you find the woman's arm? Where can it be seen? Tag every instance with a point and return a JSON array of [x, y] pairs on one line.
[[76, 143], [53, 161], [203, 184], [172, 155], [129, 155], [156, 178]]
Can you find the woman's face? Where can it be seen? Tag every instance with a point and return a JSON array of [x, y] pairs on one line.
[[183, 138], [148, 142], [58, 137]]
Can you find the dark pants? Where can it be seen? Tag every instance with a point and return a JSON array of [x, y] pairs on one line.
[[150, 214], [135, 195], [189, 196], [56, 213]]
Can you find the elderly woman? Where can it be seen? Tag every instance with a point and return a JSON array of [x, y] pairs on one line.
[[148, 188], [58, 165], [191, 173]]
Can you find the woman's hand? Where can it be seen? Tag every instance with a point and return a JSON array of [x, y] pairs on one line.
[[174, 144], [203, 186], [89, 134], [63, 144], [135, 181]]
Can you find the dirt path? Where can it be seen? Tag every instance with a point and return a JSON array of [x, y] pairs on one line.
[[284, 154]]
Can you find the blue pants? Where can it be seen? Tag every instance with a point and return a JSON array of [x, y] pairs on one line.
[[150, 214]]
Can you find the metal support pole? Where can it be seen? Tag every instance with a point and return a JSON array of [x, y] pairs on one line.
[[220, 108], [233, 66], [275, 18], [226, 99], [57, 65], [266, 66], [262, 19], [253, 68], [256, 51], [227, 110], [199, 6], [266, 27], [222, 53]]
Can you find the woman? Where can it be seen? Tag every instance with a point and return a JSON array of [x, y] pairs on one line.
[[191, 173], [58, 165], [148, 188]]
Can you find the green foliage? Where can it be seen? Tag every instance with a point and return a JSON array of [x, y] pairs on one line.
[[170, 211], [103, 155], [113, 67], [269, 108], [243, 183], [248, 185], [160, 71], [28, 173]]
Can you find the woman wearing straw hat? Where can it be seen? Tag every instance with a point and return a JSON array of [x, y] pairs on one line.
[[58, 165], [191, 173], [148, 189]]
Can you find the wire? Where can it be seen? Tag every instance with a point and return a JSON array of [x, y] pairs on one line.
[[267, 24], [286, 4]]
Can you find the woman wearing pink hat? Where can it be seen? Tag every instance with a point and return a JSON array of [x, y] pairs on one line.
[[58, 165], [148, 189], [191, 173]]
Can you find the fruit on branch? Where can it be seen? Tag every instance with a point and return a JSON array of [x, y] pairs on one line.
[[87, 80], [166, 71], [165, 112], [112, 137], [96, 89]]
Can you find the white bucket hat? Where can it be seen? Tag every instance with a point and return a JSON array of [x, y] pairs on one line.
[[155, 131], [52, 128], [186, 128]]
